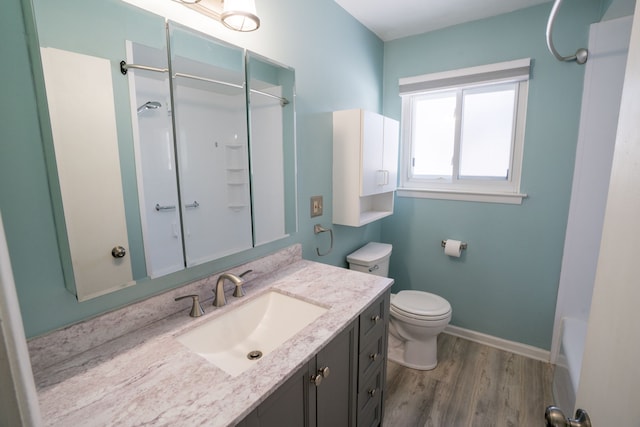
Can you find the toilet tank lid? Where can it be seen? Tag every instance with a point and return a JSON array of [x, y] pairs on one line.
[[370, 253]]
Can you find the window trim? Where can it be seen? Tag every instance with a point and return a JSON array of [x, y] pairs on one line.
[[505, 191]]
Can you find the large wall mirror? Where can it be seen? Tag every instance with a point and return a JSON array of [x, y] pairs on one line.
[[170, 148]]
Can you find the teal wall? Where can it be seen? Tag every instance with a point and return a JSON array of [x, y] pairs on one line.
[[338, 65], [506, 283]]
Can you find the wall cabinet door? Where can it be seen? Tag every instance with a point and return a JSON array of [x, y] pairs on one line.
[[365, 166], [379, 153], [372, 147], [391, 130]]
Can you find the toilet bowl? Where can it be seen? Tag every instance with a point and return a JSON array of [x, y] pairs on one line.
[[416, 317], [416, 320]]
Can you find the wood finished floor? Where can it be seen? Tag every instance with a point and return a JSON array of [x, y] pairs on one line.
[[473, 385]]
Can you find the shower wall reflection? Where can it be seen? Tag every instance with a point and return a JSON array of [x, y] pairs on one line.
[[211, 131], [155, 161], [213, 191], [271, 88]]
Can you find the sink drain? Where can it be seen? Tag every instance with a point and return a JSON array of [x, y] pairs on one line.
[[254, 355]]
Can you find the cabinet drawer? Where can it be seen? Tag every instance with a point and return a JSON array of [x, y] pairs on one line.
[[373, 321], [370, 401], [370, 359], [371, 416]]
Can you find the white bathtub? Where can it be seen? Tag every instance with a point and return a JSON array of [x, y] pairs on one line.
[[567, 373]]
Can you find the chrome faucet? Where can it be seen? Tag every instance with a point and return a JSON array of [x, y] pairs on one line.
[[220, 299]]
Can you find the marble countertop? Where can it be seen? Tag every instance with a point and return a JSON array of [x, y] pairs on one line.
[[146, 377]]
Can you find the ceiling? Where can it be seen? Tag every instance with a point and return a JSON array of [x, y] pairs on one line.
[[394, 19]]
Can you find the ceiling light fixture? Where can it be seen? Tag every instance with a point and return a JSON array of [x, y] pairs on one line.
[[240, 15]]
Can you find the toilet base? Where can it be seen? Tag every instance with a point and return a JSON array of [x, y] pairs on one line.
[[422, 356]]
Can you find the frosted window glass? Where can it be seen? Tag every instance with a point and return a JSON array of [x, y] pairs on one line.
[[434, 135], [487, 132]]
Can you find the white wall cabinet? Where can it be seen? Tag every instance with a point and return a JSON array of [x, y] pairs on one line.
[[365, 166]]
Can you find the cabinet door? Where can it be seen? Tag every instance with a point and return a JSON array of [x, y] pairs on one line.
[[372, 150], [288, 406], [336, 395], [390, 154], [95, 225]]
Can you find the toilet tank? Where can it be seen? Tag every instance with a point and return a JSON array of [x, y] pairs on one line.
[[371, 258]]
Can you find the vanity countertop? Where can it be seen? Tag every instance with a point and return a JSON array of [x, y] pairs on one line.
[[146, 377]]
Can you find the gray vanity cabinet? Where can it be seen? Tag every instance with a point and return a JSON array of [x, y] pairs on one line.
[[335, 395], [372, 362], [287, 407], [349, 393]]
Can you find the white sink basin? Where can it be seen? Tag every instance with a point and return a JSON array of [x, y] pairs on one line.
[[261, 324]]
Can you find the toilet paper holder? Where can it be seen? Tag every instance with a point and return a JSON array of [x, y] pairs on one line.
[[462, 245]]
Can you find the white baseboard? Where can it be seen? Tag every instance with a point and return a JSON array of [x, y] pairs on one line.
[[499, 343]]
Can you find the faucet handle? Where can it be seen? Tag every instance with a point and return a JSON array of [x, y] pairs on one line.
[[239, 291], [196, 308]]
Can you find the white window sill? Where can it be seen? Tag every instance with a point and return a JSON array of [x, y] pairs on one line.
[[469, 196]]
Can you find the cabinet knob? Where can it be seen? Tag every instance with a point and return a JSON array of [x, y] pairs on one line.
[[324, 371], [374, 356], [372, 392], [375, 319], [316, 379]]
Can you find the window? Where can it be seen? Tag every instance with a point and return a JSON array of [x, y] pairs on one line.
[[463, 133]]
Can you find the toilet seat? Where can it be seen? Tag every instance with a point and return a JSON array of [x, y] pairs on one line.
[[419, 305]]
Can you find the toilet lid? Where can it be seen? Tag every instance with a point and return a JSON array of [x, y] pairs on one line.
[[420, 304]]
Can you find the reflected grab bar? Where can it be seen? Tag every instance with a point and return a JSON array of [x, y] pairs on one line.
[[283, 101], [581, 54], [124, 68], [205, 79]]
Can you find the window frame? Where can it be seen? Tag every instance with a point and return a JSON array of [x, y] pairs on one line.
[[477, 189]]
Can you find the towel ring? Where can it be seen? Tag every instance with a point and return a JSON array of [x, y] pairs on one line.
[[317, 229]]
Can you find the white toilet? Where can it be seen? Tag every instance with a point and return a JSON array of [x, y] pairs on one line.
[[417, 317]]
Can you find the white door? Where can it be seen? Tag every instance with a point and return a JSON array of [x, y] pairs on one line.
[[83, 124], [609, 387]]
